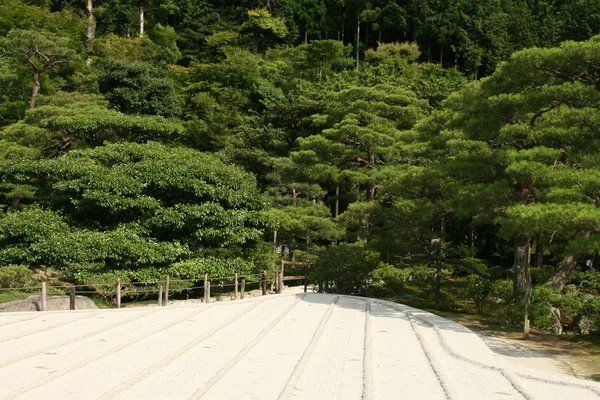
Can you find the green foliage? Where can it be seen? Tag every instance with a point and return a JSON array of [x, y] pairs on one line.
[[15, 276], [348, 266], [502, 294], [263, 26], [7, 296], [398, 156], [574, 306], [16, 14], [113, 126], [389, 280], [478, 289], [35, 48], [135, 87], [131, 206], [321, 56]]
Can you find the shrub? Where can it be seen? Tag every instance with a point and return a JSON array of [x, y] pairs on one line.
[[478, 290], [388, 280], [15, 276], [502, 293], [348, 266]]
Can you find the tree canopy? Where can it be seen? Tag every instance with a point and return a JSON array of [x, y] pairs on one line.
[[444, 147]]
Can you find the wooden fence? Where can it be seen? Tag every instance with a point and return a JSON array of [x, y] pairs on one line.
[[164, 288]]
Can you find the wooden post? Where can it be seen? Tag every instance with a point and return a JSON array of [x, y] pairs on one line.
[[281, 283], [526, 324], [72, 297], [160, 296], [243, 288], [118, 296], [208, 293], [43, 306], [305, 281], [235, 286], [264, 283], [280, 277], [166, 301], [281, 262], [277, 282], [206, 290]]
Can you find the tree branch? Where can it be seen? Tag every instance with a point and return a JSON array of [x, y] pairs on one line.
[[474, 269], [462, 263], [542, 112]]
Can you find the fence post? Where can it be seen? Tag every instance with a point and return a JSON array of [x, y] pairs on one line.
[[208, 292], [72, 297], [305, 281], [166, 301], [264, 283], [118, 297], [281, 282], [160, 295], [277, 279], [243, 288], [526, 323], [235, 286], [43, 306], [206, 295]]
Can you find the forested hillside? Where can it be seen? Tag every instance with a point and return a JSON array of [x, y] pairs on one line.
[[445, 148]]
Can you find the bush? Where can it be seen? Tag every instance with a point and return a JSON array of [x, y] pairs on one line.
[[15, 276], [502, 294], [388, 280], [348, 267], [12, 295], [579, 311], [542, 299], [478, 290]]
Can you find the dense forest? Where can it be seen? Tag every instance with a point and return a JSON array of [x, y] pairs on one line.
[[449, 147]]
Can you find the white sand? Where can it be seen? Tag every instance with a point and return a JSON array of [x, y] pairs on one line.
[[312, 346]]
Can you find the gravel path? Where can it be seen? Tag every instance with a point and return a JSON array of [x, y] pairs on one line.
[[289, 346]]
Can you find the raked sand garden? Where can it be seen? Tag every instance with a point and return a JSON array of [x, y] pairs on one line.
[[292, 345]]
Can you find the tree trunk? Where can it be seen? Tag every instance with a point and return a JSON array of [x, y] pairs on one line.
[[91, 30], [428, 52], [305, 36], [255, 43], [357, 42], [379, 40], [438, 274], [373, 192], [294, 196], [455, 60], [522, 271], [35, 90], [337, 201], [442, 56], [539, 251], [561, 274], [366, 37], [141, 19]]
